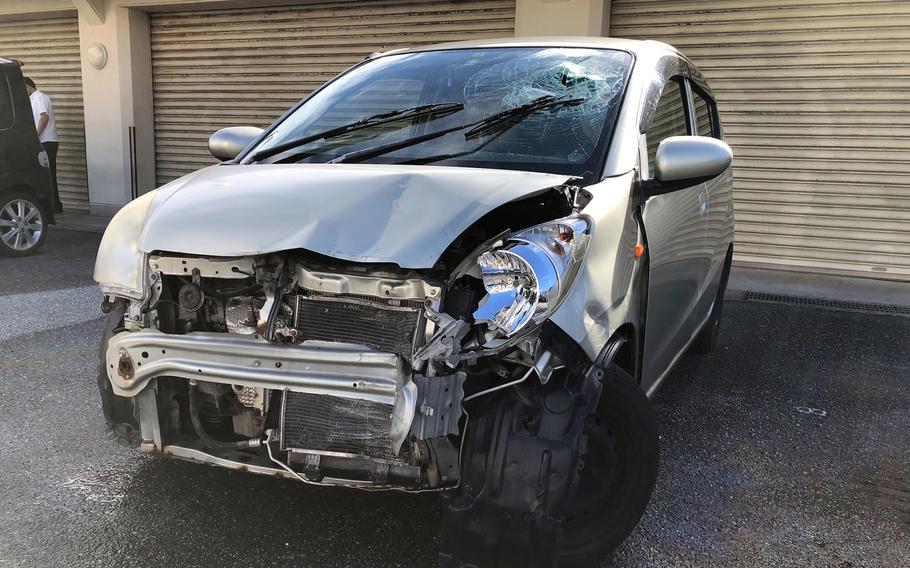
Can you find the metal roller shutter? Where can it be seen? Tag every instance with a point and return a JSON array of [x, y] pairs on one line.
[[218, 68], [813, 95], [49, 49]]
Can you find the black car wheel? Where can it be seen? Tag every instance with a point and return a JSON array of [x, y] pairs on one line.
[[23, 226], [119, 415], [618, 472], [554, 476]]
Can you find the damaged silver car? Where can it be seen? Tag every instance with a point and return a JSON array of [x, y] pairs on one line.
[[461, 268]]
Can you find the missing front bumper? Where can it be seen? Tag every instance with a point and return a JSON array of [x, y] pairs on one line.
[[346, 411], [135, 358], [352, 377]]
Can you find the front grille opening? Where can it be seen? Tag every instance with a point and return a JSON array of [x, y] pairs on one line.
[[842, 305]]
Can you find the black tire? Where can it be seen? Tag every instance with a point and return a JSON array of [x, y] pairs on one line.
[[617, 479], [558, 476], [23, 239], [119, 416], [707, 338]]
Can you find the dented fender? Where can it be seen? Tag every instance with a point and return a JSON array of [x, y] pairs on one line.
[[603, 296]]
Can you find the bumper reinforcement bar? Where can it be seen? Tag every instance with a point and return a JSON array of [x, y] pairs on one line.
[[135, 358]]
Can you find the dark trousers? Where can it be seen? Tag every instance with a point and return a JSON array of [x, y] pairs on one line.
[[51, 149]]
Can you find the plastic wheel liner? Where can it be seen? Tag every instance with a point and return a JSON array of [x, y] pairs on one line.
[[519, 468]]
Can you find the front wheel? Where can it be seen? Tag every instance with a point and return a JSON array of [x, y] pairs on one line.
[[617, 474], [557, 475], [23, 227], [119, 415]]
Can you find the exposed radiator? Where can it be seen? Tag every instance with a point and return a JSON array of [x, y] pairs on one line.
[[324, 423], [386, 326]]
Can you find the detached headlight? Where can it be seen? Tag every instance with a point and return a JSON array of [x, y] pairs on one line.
[[528, 276], [120, 265]]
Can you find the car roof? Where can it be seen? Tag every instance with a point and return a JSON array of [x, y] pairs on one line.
[[635, 46]]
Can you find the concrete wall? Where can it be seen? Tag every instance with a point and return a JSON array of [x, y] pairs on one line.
[[117, 97], [562, 17]]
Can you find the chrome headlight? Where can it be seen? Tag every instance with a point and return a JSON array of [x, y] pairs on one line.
[[120, 265], [528, 276]]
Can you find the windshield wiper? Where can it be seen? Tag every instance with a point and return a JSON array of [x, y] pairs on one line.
[[508, 118], [368, 122], [494, 124]]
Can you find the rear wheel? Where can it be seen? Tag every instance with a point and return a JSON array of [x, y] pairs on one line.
[[23, 226]]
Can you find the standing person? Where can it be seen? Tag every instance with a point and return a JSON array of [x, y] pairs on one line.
[[46, 125]]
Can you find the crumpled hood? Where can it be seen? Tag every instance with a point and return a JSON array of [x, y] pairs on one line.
[[405, 215]]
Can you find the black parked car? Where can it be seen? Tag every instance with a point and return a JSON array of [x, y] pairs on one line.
[[26, 208]]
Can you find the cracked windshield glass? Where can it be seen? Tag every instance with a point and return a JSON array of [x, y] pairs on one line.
[[397, 97]]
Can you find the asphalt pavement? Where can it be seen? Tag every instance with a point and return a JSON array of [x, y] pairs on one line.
[[789, 446]]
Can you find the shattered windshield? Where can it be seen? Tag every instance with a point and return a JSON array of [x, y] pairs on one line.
[[563, 139]]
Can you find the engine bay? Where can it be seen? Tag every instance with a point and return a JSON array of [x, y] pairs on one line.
[[369, 370]]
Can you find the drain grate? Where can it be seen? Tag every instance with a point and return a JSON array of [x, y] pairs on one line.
[[865, 307]]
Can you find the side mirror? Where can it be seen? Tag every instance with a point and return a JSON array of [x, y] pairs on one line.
[[227, 143], [684, 161]]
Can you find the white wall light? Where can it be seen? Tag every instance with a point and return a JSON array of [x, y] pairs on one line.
[[96, 55]]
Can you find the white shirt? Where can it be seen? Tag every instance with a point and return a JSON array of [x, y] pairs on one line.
[[41, 103]]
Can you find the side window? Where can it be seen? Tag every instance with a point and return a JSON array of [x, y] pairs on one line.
[[6, 103], [669, 119], [704, 114]]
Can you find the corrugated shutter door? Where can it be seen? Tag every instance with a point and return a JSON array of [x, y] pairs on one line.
[[218, 68], [49, 49], [814, 96]]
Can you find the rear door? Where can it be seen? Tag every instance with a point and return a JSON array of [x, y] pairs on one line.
[[675, 224], [19, 146], [720, 190]]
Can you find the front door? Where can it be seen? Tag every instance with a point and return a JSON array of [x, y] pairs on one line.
[[676, 225]]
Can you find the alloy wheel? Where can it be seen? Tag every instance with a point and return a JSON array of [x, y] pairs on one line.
[[21, 224]]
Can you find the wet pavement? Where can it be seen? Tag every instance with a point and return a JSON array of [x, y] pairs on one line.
[[790, 446]]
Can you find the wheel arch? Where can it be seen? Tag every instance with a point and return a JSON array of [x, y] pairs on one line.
[[622, 350]]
